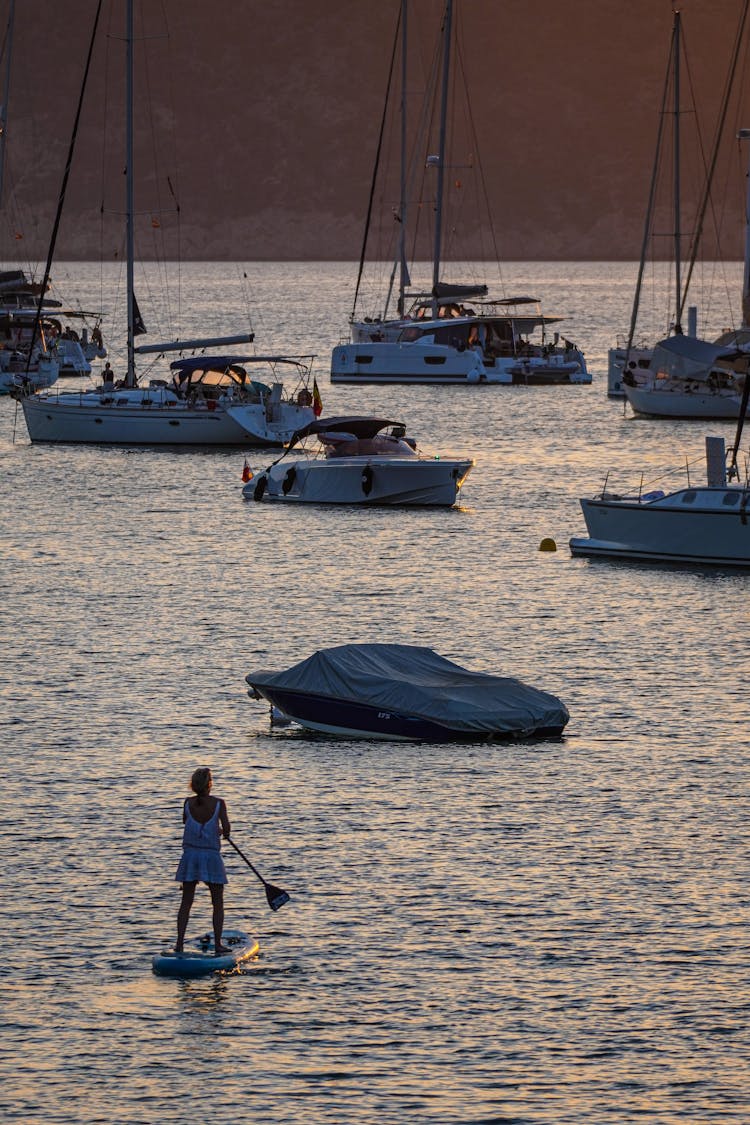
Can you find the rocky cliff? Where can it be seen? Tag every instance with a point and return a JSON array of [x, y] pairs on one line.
[[271, 114]]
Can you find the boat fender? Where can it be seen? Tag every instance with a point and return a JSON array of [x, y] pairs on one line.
[[260, 487], [288, 482], [367, 479]]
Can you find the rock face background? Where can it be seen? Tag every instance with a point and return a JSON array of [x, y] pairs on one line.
[[264, 119]]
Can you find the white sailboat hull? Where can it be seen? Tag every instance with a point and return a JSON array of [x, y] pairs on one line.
[[115, 420], [680, 403], [362, 480], [699, 525]]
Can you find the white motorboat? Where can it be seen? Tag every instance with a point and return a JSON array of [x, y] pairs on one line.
[[705, 524], [210, 400], [445, 332], [361, 460]]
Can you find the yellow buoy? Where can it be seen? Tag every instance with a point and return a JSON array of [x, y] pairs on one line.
[[548, 545]]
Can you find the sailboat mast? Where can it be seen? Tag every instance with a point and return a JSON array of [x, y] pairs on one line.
[[6, 91], [744, 135], [403, 272], [677, 200], [441, 153], [129, 237]]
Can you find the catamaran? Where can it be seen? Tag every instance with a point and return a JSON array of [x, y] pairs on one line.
[[447, 332]]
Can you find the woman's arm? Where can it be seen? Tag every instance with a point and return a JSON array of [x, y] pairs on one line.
[[224, 818]]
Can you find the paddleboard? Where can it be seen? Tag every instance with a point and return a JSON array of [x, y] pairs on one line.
[[199, 960]]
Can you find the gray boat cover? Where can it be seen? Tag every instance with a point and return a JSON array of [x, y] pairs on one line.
[[686, 357], [414, 680]]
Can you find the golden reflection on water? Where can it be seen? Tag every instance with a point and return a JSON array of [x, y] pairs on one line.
[[550, 932]]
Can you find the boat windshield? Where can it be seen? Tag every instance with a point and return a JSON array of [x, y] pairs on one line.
[[381, 445]]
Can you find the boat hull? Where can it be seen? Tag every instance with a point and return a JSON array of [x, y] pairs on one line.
[[112, 421], [437, 364], [693, 525], [682, 404], [346, 719], [359, 480]]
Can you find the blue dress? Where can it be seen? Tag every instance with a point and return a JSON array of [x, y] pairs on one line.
[[201, 860]]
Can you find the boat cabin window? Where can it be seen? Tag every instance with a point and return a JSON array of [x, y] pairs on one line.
[[689, 497], [731, 498], [454, 335]]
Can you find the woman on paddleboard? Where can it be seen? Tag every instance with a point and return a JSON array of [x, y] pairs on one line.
[[206, 820]]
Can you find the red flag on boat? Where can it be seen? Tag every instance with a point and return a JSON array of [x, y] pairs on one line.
[[317, 400], [247, 473]]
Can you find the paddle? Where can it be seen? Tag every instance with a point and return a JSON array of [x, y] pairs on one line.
[[276, 897]]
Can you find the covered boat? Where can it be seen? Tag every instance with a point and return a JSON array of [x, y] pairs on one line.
[[406, 692]]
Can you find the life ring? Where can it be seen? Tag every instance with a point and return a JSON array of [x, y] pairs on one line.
[[367, 478], [260, 487]]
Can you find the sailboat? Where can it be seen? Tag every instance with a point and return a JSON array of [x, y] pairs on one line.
[[706, 524], [210, 399], [450, 332], [40, 369], [684, 376]]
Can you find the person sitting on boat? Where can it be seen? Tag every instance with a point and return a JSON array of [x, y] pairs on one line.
[[206, 820]]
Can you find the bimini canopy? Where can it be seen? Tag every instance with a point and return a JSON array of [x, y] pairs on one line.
[[685, 357], [416, 681], [214, 371], [208, 363], [358, 425], [444, 291]]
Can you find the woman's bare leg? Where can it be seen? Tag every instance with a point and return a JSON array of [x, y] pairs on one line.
[[183, 914], [217, 899]]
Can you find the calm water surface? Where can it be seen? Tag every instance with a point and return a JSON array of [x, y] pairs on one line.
[[551, 932]]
